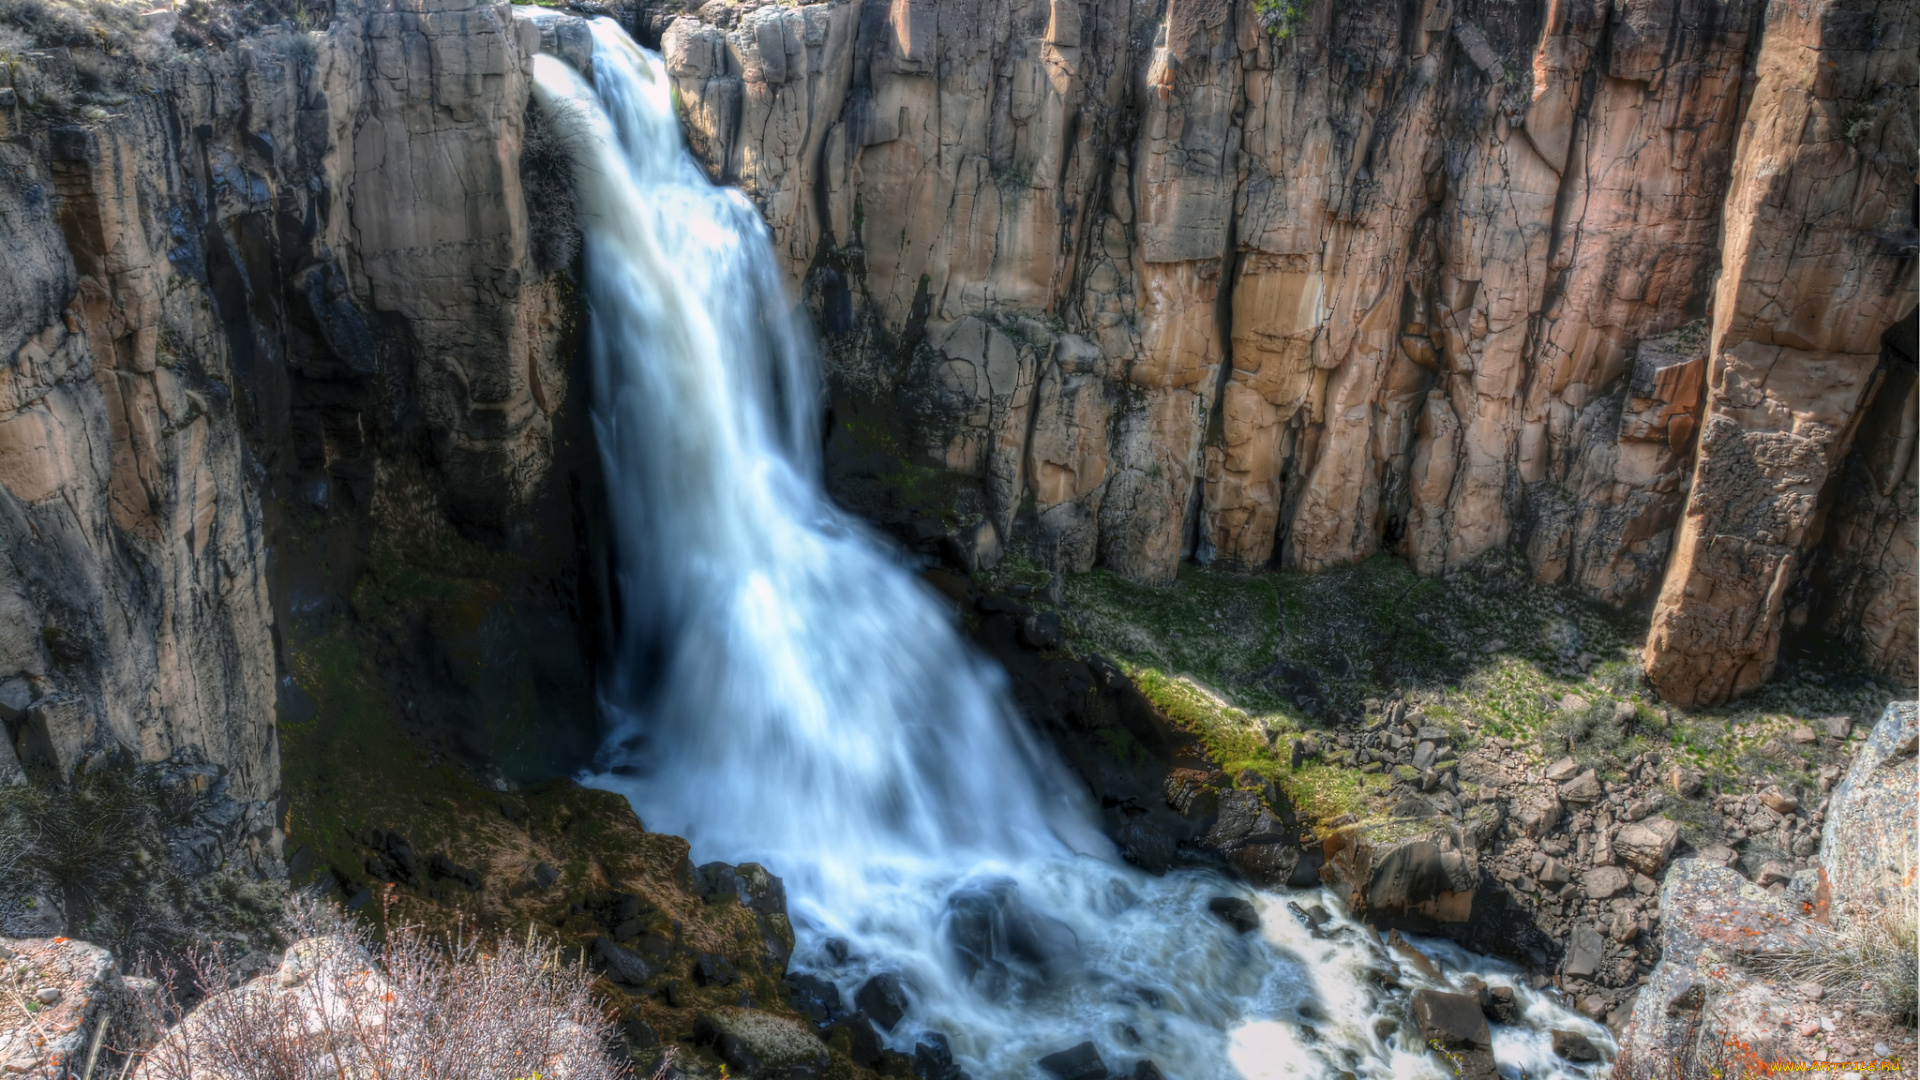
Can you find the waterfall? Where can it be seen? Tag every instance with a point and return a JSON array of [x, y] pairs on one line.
[[787, 692]]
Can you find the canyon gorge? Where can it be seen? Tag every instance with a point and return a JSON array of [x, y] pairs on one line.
[[1603, 310]]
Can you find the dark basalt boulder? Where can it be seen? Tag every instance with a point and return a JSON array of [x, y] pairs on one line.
[[1145, 846], [1236, 913], [933, 1060], [1573, 1046], [814, 998], [883, 998], [1454, 1026], [863, 1042], [998, 938], [623, 966], [1081, 1062]]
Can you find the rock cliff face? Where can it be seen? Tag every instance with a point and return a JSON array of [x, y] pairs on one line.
[[245, 304], [1188, 280]]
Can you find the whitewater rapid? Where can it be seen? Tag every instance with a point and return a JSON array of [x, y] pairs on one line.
[[787, 692]]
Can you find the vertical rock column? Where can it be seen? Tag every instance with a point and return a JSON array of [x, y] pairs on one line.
[[1811, 281]]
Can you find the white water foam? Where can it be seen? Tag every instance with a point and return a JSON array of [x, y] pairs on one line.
[[787, 692]]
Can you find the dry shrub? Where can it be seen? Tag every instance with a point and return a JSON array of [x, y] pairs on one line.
[[413, 1009], [1870, 961], [129, 28]]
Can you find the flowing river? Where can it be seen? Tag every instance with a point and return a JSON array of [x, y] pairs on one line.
[[788, 692]]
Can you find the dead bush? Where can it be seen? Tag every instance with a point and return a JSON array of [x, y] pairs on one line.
[[127, 28], [414, 1008], [1869, 962]]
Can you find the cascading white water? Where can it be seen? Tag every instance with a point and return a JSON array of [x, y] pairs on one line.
[[788, 693]]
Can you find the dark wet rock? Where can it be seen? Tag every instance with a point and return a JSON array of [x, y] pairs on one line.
[[712, 969], [883, 998], [544, 875], [1453, 1025], [1265, 865], [1041, 631], [639, 1034], [1499, 1006], [1573, 1046], [998, 937], [864, 1045], [1190, 796], [623, 966], [1145, 846], [1452, 1020], [996, 604], [933, 1060], [1313, 917], [1081, 1062], [716, 879], [814, 998], [1147, 1070], [1236, 913], [1243, 819], [1413, 876], [1306, 872], [1415, 959]]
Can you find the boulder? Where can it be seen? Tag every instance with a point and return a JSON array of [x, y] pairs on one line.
[[1413, 876], [1711, 920], [1868, 841], [1647, 845], [1453, 1026], [1537, 813], [864, 1045], [1604, 882], [623, 966], [1564, 769], [755, 1043], [1584, 788], [1719, 855], [1145, 846], [999, 938], [1451, 1020], [1236, 913], [1683, 781], [883, 998], [1080, 1062], [933, 1060], [814, 998], [1586, 951], [74, 988], [1575, 1047]]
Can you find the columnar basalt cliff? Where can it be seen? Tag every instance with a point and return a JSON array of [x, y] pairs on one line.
[[1202, 282], [246, 303]]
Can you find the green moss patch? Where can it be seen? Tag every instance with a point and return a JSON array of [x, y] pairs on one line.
[[1237, 657]]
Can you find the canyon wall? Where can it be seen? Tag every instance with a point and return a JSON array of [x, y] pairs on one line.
[[1154, 282], [1197, 281], [268, 306]]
